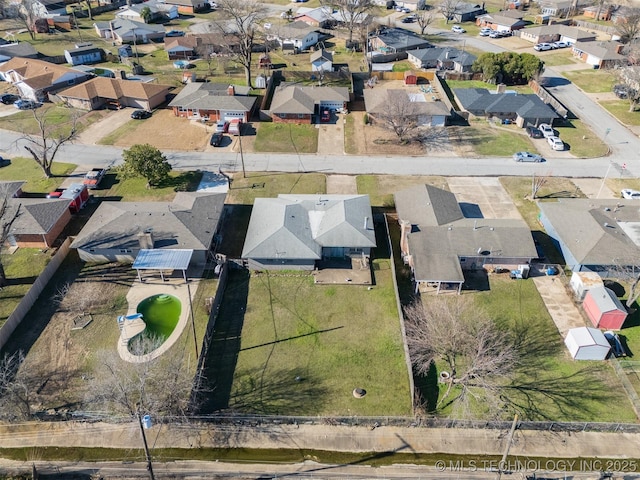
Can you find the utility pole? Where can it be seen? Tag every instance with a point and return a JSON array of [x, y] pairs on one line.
[[244, 173], [506, 450], [144, 442]]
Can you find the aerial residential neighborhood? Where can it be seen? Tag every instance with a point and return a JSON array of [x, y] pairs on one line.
[[295, 233]]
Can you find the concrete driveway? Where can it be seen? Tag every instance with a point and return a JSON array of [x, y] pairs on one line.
[[483, 197], [331, 135], [104, 127]]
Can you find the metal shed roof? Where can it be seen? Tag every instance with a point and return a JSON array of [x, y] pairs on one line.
[[172, 259]]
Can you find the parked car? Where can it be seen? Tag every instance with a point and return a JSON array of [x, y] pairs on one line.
[[174, 33], [534, 132], [8, 98], [547, 130], [4, 162], [555, 143], [216, 139], [23, 104], [541, 47], [495, 34], [621, 91], [140, 114], [222, 126], [559, 44], [325, 116], [485, 32], [408, 20], [235, 126], [527, 157], [616, 345], [630, 194], [406, 10], [457, 29]]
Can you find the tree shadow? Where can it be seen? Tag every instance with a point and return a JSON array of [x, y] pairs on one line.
[[184, 182], [427, 387]]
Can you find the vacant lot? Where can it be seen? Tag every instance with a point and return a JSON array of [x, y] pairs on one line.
[[381, 188], [592, 81], [286, 137]]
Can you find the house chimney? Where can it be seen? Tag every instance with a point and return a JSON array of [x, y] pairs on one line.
[[231, 91], [145, 239], [501, 88]]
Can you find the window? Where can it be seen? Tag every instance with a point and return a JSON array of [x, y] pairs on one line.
[[125, 250]]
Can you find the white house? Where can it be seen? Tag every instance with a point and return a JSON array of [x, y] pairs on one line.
[[84, 55], [297, 36], [158, 11], [322, 61]]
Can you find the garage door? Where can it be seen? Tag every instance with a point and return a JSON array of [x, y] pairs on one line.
[[331, 105], [228, 116]]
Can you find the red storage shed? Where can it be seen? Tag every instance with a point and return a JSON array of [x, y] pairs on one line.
[[604, 309], [410, 78]]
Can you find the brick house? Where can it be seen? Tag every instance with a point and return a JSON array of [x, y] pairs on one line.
[[210, 102]]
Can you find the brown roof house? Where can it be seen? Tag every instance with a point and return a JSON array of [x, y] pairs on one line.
[[213, 101], [35, 78], [426, 113], [39, 221], [100, 91], [439, 243], [503, 21], [117, 231], [298, 104]]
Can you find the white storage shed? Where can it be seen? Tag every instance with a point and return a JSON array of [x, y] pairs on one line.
[[585, 343], [582, 282]]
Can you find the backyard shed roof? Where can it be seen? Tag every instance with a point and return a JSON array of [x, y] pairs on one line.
[[170, 259], [586, 343]]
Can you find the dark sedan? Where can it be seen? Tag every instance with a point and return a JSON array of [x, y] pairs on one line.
[[140, 114], [8, 98], [533, 132], [216, 139]]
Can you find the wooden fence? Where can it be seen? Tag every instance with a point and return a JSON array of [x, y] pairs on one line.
[[34, 292]]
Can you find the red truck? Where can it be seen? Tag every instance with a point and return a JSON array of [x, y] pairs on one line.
[[93, 177]]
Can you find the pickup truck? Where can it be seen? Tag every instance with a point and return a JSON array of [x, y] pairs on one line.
[[235, 126], [93, 177]]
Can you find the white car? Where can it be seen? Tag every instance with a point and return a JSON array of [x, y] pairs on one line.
[[485, 32], [555, 143], [630, 194], [541, 47], [547, 130], [457, 29], [560, 44]]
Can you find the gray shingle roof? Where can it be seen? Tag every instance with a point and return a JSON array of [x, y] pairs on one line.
[[524, 105], [213, 96], [601, 50], [402, 39], [426, 55], [190, 221], [322, 54], [378, 101], [299, 99], [299, 226], [297, 30]]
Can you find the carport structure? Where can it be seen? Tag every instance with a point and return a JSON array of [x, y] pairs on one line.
[[162, 260]]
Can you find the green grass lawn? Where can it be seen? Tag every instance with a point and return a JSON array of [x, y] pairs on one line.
[[489, 86], [381, 188], [592, 81], [21, 268], [27, 169], [116, 187], [549, 385], [582, 142], [286, 137], [495, 142], [267, 185], [334, 337], [59, 120], [560, 58], [620, 110]]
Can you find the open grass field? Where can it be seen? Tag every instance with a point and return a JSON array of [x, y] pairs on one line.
[[58, 120], [286, 137], [494, 142], [264, 185], [117, 188], [381, 188], [620, 110], [27, 169], [549, 384], [582, 142], [592, 81], [331, 338]]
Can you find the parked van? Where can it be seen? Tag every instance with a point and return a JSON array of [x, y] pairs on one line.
[[234, 126]]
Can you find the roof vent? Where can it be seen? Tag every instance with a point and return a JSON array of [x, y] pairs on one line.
[[606, 224], [607, 209]]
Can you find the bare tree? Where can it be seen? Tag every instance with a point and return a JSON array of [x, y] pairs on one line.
[[27, 13], [207, 52], [400, 115], [15, 390], [629, 27], [50, 136], [537, 182], [478, 357], [161, 385], [351, 13], [630, 77], [240, 20], [634, 291], [448, 9], [8, 214], [423, 19]]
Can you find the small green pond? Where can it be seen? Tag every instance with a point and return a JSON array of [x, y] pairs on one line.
[[161, 314]]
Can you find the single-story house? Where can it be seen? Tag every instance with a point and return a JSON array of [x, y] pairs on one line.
[[42, 8], [467, 12], [601, 236], [322, 61], [604, 309], [503, 21], [379, 102], [523, 109], [600, 54], [603, 12], [297, 36], [395, 40], [100, 92], [447, 58], [586, 343], [555, 8], [319, 17], [213, 101], [36, 78], [122, 30], [556, 33], [439, 243], [39, 221], [20, 49], [181, 48], [298, 104], [117, 231], [84, 55], [189, 6], [158, 11], [582, 282], [295, 231], [622, 14]]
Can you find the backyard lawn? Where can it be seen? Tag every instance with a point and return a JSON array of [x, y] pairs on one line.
[[286, 137]]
